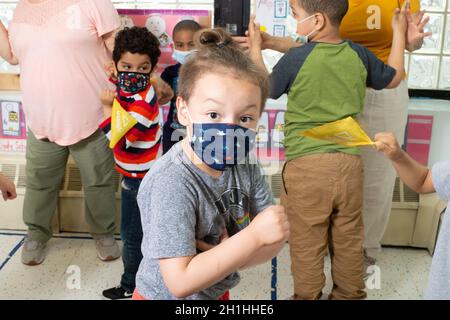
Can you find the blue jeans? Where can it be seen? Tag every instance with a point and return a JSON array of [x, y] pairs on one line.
[[131, 232]]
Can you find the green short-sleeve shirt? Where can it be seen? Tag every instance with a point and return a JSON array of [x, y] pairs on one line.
[[325, 83]]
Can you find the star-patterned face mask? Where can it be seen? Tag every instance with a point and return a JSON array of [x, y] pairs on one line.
[[222, 145]]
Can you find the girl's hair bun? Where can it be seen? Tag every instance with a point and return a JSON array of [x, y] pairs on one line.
[[217, 52], [214, 38]]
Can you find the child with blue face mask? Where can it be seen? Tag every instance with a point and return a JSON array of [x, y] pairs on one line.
[[206, 209], [183, 46]]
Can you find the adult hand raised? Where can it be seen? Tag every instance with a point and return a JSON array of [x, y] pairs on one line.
[[416, 25]]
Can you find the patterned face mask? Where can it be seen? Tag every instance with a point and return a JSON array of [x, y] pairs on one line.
[[221, 145], [133, 82]]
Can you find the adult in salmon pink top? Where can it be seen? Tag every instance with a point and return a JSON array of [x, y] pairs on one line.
[[62, 47]]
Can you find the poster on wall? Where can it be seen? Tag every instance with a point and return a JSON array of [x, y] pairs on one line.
[[270, 136], [418, 138], [161, 24], [272, 14], [13, 132], [10, 119]]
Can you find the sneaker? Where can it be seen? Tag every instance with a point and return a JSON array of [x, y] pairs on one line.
[[117, 293], [107, 248], [33, 253], [368, 261]]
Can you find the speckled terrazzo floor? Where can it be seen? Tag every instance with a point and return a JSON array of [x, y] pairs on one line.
[[403, 271]]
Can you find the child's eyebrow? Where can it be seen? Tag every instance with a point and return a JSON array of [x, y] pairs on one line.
[[251, 106], [215, 101], [141, 64]]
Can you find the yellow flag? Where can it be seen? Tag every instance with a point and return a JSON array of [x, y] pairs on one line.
[[121, 123], [345, 132]]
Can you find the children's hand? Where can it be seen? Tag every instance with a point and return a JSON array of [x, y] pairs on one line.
[[399, 22], [271, 226], [254, 34], [388, 144], [244, 42], [7, 188], [107, 111], [203, 246], [109, 69], [107, 97], [163, 91]]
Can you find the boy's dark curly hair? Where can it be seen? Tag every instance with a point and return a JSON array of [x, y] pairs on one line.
[[137, 40]]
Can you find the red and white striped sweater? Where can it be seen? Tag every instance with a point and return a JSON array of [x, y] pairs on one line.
[[141, 146]]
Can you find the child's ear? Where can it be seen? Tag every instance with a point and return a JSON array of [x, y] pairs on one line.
[[112, 70], [109, 68], [182, 115], [321, 21]]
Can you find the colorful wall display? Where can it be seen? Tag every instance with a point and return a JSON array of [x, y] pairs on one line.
[[418, 141], [13, 132], [161, 24]]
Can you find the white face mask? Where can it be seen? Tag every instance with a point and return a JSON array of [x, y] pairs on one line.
[[181, 56], [292, 25]]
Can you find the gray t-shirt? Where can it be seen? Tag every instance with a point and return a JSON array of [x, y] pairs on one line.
[[180, 204], [439, 279]]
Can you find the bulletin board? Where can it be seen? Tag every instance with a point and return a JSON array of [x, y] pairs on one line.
[[270, 136], [161, 24], [418, 137], [272, 14]]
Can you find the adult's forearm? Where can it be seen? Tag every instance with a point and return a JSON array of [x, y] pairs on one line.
[[256, 56], [281, 44], [413, 174], [109, 40], [5, 47], [397, 59]]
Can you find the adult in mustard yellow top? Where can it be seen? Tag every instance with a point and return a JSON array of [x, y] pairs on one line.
[[369, 23]]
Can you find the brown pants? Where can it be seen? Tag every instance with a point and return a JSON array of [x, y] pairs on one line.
[[323, 199]]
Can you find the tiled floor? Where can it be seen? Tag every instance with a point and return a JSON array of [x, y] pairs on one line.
[[403, 273]]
